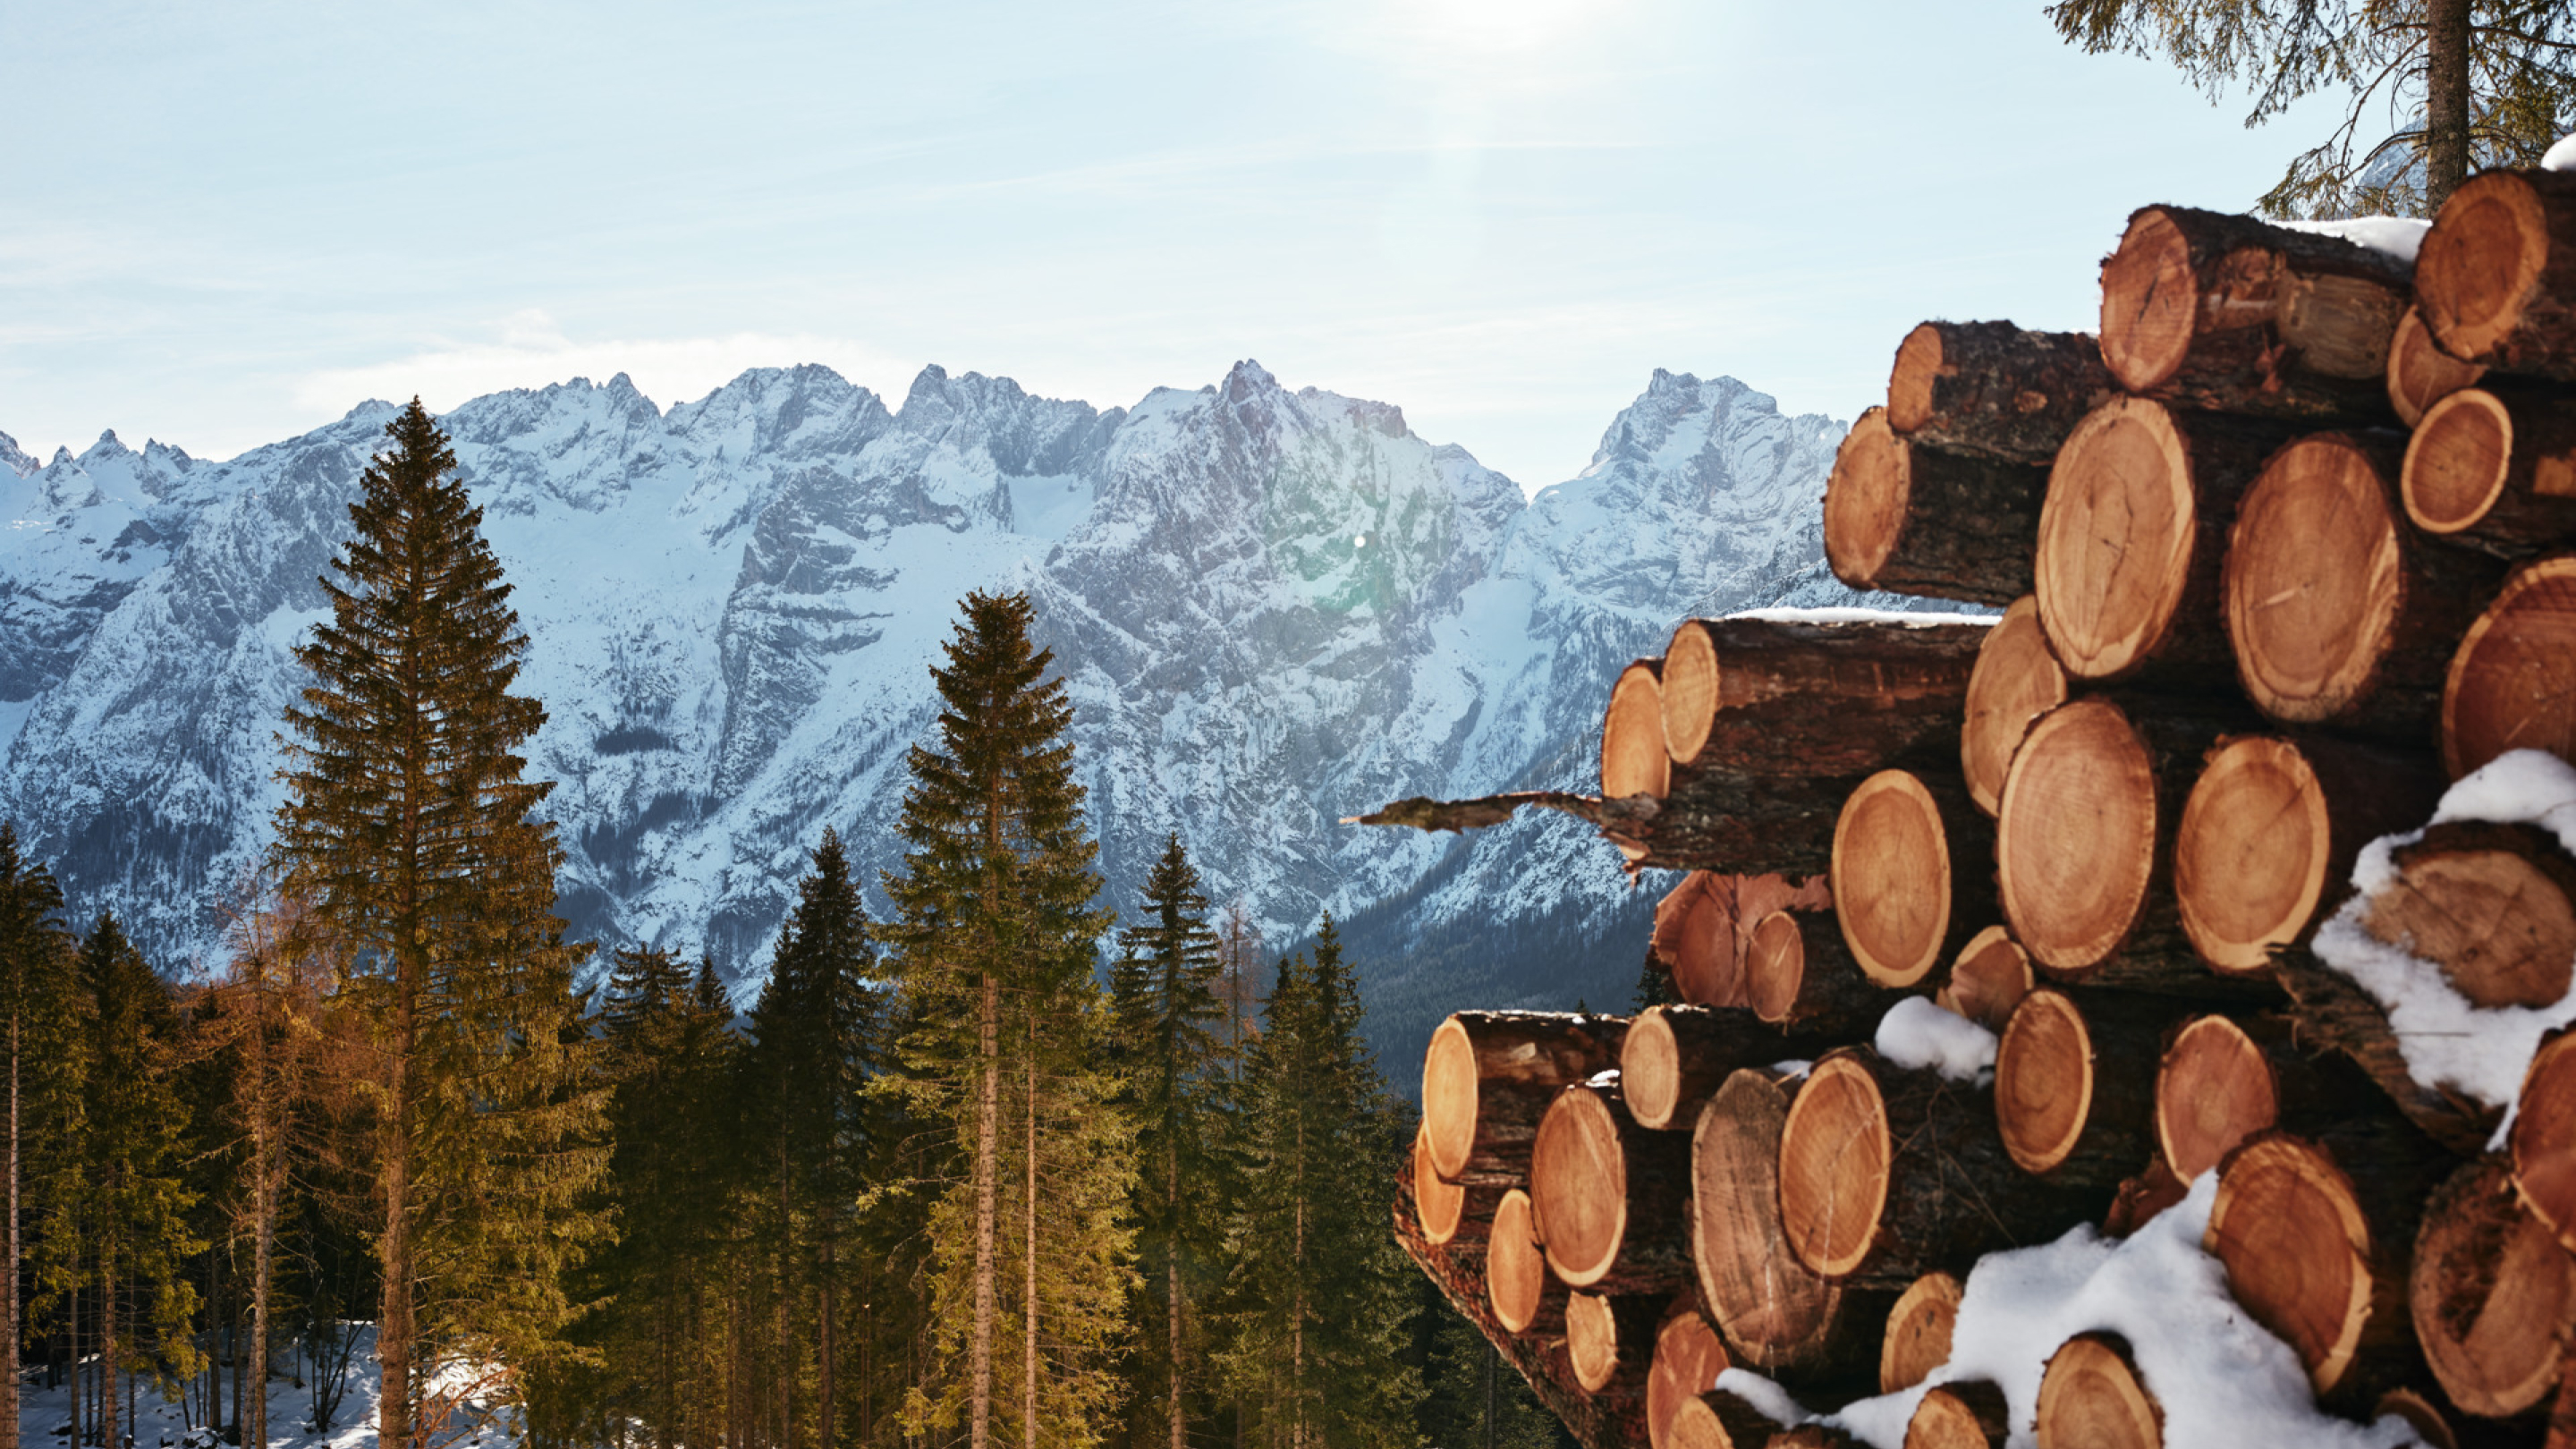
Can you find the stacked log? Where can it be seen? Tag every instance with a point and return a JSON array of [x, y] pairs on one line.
[[2283, 551]]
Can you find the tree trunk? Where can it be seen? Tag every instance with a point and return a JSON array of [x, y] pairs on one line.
[[826, 1350], [2131, 540], [2208, 310], [2075, 1084], [1961, 1414], [1993, 389], [1912, 874], [1777, 1315], [2493, 468], [2492, 905], [1676, 1057], [1904, 516], [9, 1330], [2340, 614], [1917, 1339], [979, 1351], [2420, 373], [395, 1346], [2513, 681], [2446, 100], [1610, 1196], [2492, 1295], [2016, 680], [2496, 277], [1803, 699], [1029, 1259], [109, 1436], [2091, 1397], [1487, 1080]]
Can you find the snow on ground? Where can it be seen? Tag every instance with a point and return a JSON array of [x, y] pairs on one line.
[[44, 1414], [2447, 1041]]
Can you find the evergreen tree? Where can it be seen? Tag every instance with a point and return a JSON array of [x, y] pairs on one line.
[[36, 1008], [410, 836], [1654, 985], [995, 943], [1323, 1297], [1164, 1000]]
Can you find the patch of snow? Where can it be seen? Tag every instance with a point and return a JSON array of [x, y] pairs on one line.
[[1762, 1394], [1916, 1033], [1850, 615], [2397, 236], [2560, 156]]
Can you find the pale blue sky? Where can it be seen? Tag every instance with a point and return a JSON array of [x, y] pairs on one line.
[[224, 223]]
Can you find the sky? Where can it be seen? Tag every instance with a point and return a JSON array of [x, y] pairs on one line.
[[221, 225]]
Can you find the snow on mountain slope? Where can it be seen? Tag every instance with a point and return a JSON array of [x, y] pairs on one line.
[[1273, 609]]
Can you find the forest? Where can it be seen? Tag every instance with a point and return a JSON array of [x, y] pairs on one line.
[[995, 1169]]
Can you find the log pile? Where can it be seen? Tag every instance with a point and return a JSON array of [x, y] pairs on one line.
[[2283, 551]]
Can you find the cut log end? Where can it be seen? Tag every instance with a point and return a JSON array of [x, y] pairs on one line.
[[2075, 841], [1891, 874], [1771, 1308], [1989, 979], [1650, 1070], [1689, 691], [1441, 1205], [2291, 1235], [2543, 1141], [2492, 1294], [1688, 1358], [2149, 301], [2475, 273], [1592, 1340], [2250, 853], [2214, 1089], [2458, 461], [2090, 1397], [1515, 1268], [1971, 1414], [1720, 1420], [1633, 758], [1835, 1156], [1579, 1187], [2312, 585], [2420, 373], [1449, 1098], [1866, 500], [1919, 365], [2419, 1415], [2492, 908], [2043, 1081], [2116, 539], [2016, 681], [1918, 1332], [2512, 684]]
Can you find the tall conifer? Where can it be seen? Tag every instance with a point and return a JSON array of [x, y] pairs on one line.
[[410, 834], [35, 1012]]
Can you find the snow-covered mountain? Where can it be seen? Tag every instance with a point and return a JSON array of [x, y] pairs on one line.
[[1275, 609]]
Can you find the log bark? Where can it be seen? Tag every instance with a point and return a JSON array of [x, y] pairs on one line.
[[2314, 1236], [1799, 975], [1917, 1340], [2493, 1295], [2494, 468], [2132, 536], [1722, 1420], [2227, 313], [1488, 1078], [2223, 1080], [1450, 1212], [1689, 1356], [1703, 928], [1804, 698], [2334, 1012], [2496, 276], [2492, 905], [2339, 613], [2420, 373], [1676, 1057], [1610, 1341], [2543, 1140], [1963, 1414], [1522, 1296], [1912, 874], [2090, 1397], [1909, 518], [2075, 1084], [1633, 758], [1993, 389], [2512, 683], [1777, 1315], [2016, 680], [1611, 1196], [2268, 836], [1988, 980], [1888, 1173]]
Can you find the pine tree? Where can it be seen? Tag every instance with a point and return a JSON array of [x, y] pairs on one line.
[[995, 943], [410, 836], [1323, 1297], [1163, 992], [36, 1003]]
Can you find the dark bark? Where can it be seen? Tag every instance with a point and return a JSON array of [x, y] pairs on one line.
[[2333, 1011], [1994, 389], [1910, 518]]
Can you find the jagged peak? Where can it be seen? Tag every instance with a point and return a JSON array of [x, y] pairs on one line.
[[109, 445], [1246, 378], [16, 459]]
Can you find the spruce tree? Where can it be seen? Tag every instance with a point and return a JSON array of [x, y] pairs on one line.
[[1163, 992], [995, 943], [412, 839], [36, 1005]]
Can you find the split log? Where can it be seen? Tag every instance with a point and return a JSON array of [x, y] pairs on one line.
[[2494, 468], [1988, 980], [2090, 1397], [1719, 1419], [1906, 517], [1993, 389], [1675, 1058], [1449, 1212], [1911, 874], [2543, 1140], [2333, 1011], [2222, 1081], [2016, 680], [2075, 1085], [2512, 683], [1918, 1332], [1888, 1173], [1524, 1298], [1703, 928], [2492, 1293], [1688, 1358], [1964, 1414], [1489, 1077], [2314, 1236], [2271, 830], [1612, 1196], [1799, 974], [1810, 698], [2132, 536], [2224, 312], [2492, 905], [1633, 758], [2496, 276], [1610, 1340], [2340, 614], [2084, 849], [2420, 373], [1777, 1315]]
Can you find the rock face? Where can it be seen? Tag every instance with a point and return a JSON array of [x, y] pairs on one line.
[[1274, 609]]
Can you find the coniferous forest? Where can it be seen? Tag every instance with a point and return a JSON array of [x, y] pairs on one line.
[[1016, 1165]]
